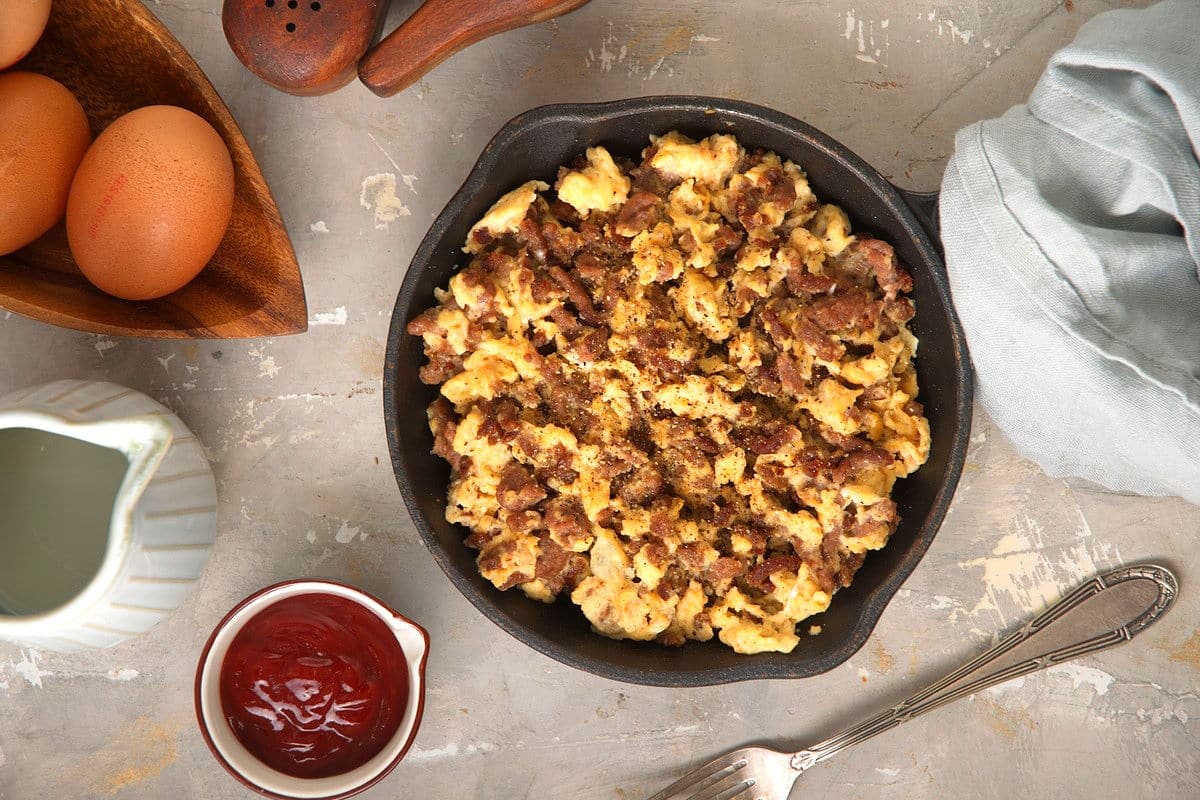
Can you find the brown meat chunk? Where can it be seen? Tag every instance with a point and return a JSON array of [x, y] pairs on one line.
[[479, 538], [779, 188], [892, 278], [802, 282], [521, 521], [590, 267], [842, 441], [566, 521], [501, 420], [822, 345], [443, 422], [901, 309], [688, 471], [544, 289], [833, 566], [577, 294], [691, 555], [552, 563], [671, 637], [812, 463], [773, 325], [492, 557], [773, 475], [725, 509], [535, 242], [868, 260], [568, 400], [747, 207], [855, 463], [789, 376], [772, 438], [518, 488], [555, 468], [482, 237], [565, 213], [727, 240], [650, 180], [722, 571], [591, 346], [880, 517], [563, 243], [759, 576], [641, 212], [592, 230], [559, 569], [775, 188], [481, 274], [425, 322], [441, 368], [568, 323], [843, 311]]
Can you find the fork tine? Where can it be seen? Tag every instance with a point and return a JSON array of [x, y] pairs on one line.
[[749, 793], [725, 789], [702, 777]]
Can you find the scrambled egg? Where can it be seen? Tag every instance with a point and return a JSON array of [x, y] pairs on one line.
[[506, 214], [692, 426], [710, 161], [598, 187]]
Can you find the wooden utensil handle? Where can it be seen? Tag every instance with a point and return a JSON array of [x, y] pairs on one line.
[[439, 29]]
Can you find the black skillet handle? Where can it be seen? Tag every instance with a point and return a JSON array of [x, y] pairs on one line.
[[924, 206]]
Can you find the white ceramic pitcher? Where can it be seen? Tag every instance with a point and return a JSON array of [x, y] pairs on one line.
[[71, 577]]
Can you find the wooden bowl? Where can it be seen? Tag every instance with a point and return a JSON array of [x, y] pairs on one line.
[[116, 56]]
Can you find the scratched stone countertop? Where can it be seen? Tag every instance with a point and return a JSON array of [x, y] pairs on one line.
[[294, 428]]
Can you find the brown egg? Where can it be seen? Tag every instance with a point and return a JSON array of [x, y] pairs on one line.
[[150, 202], [43, 135], [21, 25]]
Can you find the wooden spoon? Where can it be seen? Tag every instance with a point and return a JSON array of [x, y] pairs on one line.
[[439, 29], [304, 47]]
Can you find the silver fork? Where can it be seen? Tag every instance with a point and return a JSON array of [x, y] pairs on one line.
[[1106, 611]]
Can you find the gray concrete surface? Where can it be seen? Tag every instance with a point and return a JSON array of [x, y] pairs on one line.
[[294, 427]]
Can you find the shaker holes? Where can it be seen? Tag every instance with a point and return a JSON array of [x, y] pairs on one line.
[[290, 27]]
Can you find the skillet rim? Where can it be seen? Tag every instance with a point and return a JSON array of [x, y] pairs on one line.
[[580, 115]]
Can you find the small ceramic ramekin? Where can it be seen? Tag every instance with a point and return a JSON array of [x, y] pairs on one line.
[[248, 769]]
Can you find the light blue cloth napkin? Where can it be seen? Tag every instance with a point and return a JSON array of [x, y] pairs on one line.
[[1072, 235]]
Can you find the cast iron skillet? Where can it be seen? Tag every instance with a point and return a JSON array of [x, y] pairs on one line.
[[533, 146]]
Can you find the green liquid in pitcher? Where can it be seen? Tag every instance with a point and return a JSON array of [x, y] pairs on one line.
[[56, 502]]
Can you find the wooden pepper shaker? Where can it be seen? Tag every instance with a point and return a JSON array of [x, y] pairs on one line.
[[303, 47]]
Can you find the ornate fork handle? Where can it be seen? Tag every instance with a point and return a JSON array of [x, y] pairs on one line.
[[1106, 611]]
